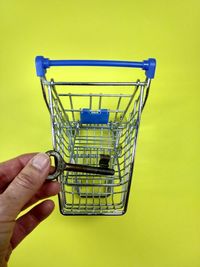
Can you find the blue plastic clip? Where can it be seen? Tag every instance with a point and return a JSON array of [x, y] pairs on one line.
[[89, 116]]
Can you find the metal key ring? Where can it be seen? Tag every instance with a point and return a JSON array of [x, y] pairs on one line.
[[59, 164]]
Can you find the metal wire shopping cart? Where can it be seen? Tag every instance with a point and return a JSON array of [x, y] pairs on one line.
[[98, 130]]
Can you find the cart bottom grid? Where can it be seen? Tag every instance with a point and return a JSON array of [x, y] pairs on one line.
[[84, 193]]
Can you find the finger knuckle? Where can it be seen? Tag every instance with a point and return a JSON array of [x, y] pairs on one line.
[[25, 180]]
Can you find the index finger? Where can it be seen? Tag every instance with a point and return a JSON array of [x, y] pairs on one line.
[[9, 169]]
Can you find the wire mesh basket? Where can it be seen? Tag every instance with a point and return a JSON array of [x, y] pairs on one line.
[[95, 129]]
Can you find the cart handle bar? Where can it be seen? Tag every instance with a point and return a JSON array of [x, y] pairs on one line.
[[44, 63]]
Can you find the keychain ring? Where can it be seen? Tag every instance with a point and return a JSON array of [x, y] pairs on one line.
[[59, 164]]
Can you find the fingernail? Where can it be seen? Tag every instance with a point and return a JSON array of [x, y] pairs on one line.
[[40, 161]]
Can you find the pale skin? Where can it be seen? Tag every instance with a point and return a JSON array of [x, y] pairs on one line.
[[22, 184]]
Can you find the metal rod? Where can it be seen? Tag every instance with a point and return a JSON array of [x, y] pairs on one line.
[[97, 95], [98, 83]]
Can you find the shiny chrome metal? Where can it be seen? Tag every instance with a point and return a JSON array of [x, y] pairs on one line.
[[96, 83], [89, 193]]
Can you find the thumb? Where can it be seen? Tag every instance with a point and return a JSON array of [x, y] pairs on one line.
[[24, 186]]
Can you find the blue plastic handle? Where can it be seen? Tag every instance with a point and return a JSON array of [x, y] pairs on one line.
[[44, 63]]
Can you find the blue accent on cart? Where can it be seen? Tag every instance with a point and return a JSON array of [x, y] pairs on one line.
[[89, 116], [42, 64]]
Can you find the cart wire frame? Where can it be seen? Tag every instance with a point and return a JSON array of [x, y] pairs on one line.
[[83, 142]]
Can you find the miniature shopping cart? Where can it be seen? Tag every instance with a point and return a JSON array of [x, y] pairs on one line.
[[94, 129]]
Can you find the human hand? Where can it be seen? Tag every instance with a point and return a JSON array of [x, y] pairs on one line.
[[22, 184]]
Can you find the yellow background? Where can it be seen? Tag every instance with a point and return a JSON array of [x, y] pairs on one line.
[[161, 227]]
